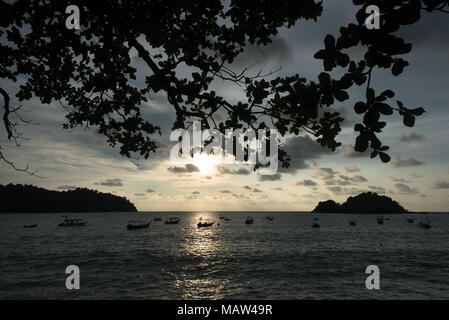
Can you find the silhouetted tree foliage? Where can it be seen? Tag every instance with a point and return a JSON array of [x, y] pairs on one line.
[[89, 70], [367, 202], [26, 198]]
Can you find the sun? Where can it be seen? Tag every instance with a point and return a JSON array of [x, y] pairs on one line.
[[205, 163]]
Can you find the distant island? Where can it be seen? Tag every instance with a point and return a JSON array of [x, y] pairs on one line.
[[30, 199], [367, 202]]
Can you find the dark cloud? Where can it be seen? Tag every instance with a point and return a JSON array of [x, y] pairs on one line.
[[257, 190], [139, 194], [195, 192], [66, 187], [394, 179], [271, 177], [413, 137], [276, 53], [402, 163], [188, 168], [377, 189], [345, 191], [247, 187], [405, 189], [225, 191], [441, 185], [149, 191], [303, 151], [240, 171], [346, 180], [306, 183], [110, 183], [352, 169], [325, 173]]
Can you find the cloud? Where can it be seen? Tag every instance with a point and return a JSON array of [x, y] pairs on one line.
[[394, 179], [188, 168], [240, 171], [66, 187], [403, 163], [195, 192], [349, 152], [405, 189], [247, 187], [225, 191], [346, 180], [110, 183], [346, 191], [303, 151], [149, 191], [140, 194], [441, 185], [413, 137], [271, 177], [377, 189], [257, 190], [325, 173], [306, 183], [352, 169]]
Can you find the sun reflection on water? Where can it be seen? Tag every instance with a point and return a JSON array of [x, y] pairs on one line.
[[203, 276]]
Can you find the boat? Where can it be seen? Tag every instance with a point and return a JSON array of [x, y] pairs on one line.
[[269, 218], [172, 220], [227, 219], [316, 223], [157, 219], [222, 217], [249, 220], [352, 222], [30, 226], [410, 220], [380, 220], [73, 223], [425, 224], [205, 224], [133, 225]]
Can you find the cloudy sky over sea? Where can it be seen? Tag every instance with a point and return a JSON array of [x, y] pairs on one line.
[[417, 176]]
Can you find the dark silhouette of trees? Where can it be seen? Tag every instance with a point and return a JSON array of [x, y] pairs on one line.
[[367, 202], [31, 199], [89, 70]]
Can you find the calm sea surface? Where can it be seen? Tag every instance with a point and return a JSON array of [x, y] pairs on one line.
[[280, 259]]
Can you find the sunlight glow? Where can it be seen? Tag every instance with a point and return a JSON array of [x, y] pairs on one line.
[[205, 163]]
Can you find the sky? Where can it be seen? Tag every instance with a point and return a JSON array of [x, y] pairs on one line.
[[417, 177]]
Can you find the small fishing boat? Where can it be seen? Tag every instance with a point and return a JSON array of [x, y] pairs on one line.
[[133, 225], [222, 217], [172, 220], [30, 226], [410, 220], [249, 220], [205, 224], [380, 220], [269, 218], [227, 219], [157, 219], [425, 224], [73, 223], [316, 223], [352, 222]]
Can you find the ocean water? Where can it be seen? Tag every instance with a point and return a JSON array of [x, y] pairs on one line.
[[280, 259]]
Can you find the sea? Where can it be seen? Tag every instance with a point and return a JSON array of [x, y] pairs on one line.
[[280, 259]]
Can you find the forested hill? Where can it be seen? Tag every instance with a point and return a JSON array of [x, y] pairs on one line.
[[367, 202], [27, 198]]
